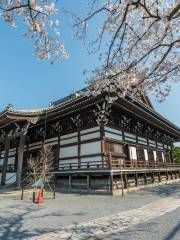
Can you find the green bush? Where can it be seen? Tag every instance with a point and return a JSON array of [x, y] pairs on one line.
[[176, 154]]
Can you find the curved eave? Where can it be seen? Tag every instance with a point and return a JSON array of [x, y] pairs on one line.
[[150, 116], [72, 106], [9, 117], [157, 115]]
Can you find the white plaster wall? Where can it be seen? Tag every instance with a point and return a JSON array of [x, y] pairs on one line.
[[12, 151], [91, 159], [133, 153], [159, 145], [92, 164], [163, 157], [51, 143], [74, 160], [142, 139], [90, 136], [155, 155], [91, 148], [10, 178], [67, 141], [32, 148], [34, 144], [113, 130], [69, 135], [1, 162], [152, 142], [66, 163], [55, 139], [68, 151], [146, 154], [11, 160], [129, 135], [113, 136], [90, 130]]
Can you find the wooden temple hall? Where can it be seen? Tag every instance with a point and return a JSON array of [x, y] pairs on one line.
[[97, 144]]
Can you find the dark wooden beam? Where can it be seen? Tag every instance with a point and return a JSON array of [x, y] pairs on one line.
[[20, 160], [5, 162], [111, 183], [70, 182], [136, 179], [88, 182]]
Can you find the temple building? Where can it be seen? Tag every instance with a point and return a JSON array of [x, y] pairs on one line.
[[97, 144]]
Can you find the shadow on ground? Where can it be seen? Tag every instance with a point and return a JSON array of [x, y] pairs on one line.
[[161, 191], [13, 226], [173, 233], [142, 232], [166, 190]]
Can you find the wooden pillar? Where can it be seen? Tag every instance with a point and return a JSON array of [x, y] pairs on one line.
[[20, 160], [171, 175], [110, 160], [88, 182], [16, 156], [111, 182], [70, 181], [103, 151], [171, 156], [145, 178], [167, 175], [58, 151], [5, 162], [136, 179], [79, 150], [125, 180], [159, 176], [153, 180]]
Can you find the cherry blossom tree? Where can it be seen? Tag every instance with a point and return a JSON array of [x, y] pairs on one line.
[[42, 27], [141, 39], [40, 165]]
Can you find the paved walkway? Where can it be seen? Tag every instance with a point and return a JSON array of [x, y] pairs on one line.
[[114, 223], [94, 217]]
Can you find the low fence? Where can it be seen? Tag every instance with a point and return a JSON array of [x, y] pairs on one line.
[[136, 164], [84, 165], [113, 162], [9, 168]]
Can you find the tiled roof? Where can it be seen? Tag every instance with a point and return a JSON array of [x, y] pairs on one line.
[[29, 111]]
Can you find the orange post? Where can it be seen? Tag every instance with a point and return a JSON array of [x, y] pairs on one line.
[[39, 197]]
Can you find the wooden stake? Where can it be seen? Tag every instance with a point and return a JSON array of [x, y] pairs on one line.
[[5, 162], [20, 160], [70, 181]]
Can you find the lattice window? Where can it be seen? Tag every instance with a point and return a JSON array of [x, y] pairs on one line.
[[151, 156], [114, 148], [167, 157], [146, 155], [155, 155], [159, 156], [140, 152], [133, 153]]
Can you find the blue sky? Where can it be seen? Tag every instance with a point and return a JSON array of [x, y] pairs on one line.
[[28, 83]]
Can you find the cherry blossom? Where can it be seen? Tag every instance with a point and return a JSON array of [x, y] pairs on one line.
[[141, 39], [42, 26]]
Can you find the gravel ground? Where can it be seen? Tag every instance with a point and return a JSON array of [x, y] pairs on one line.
[[23, 220], [166, 227]]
